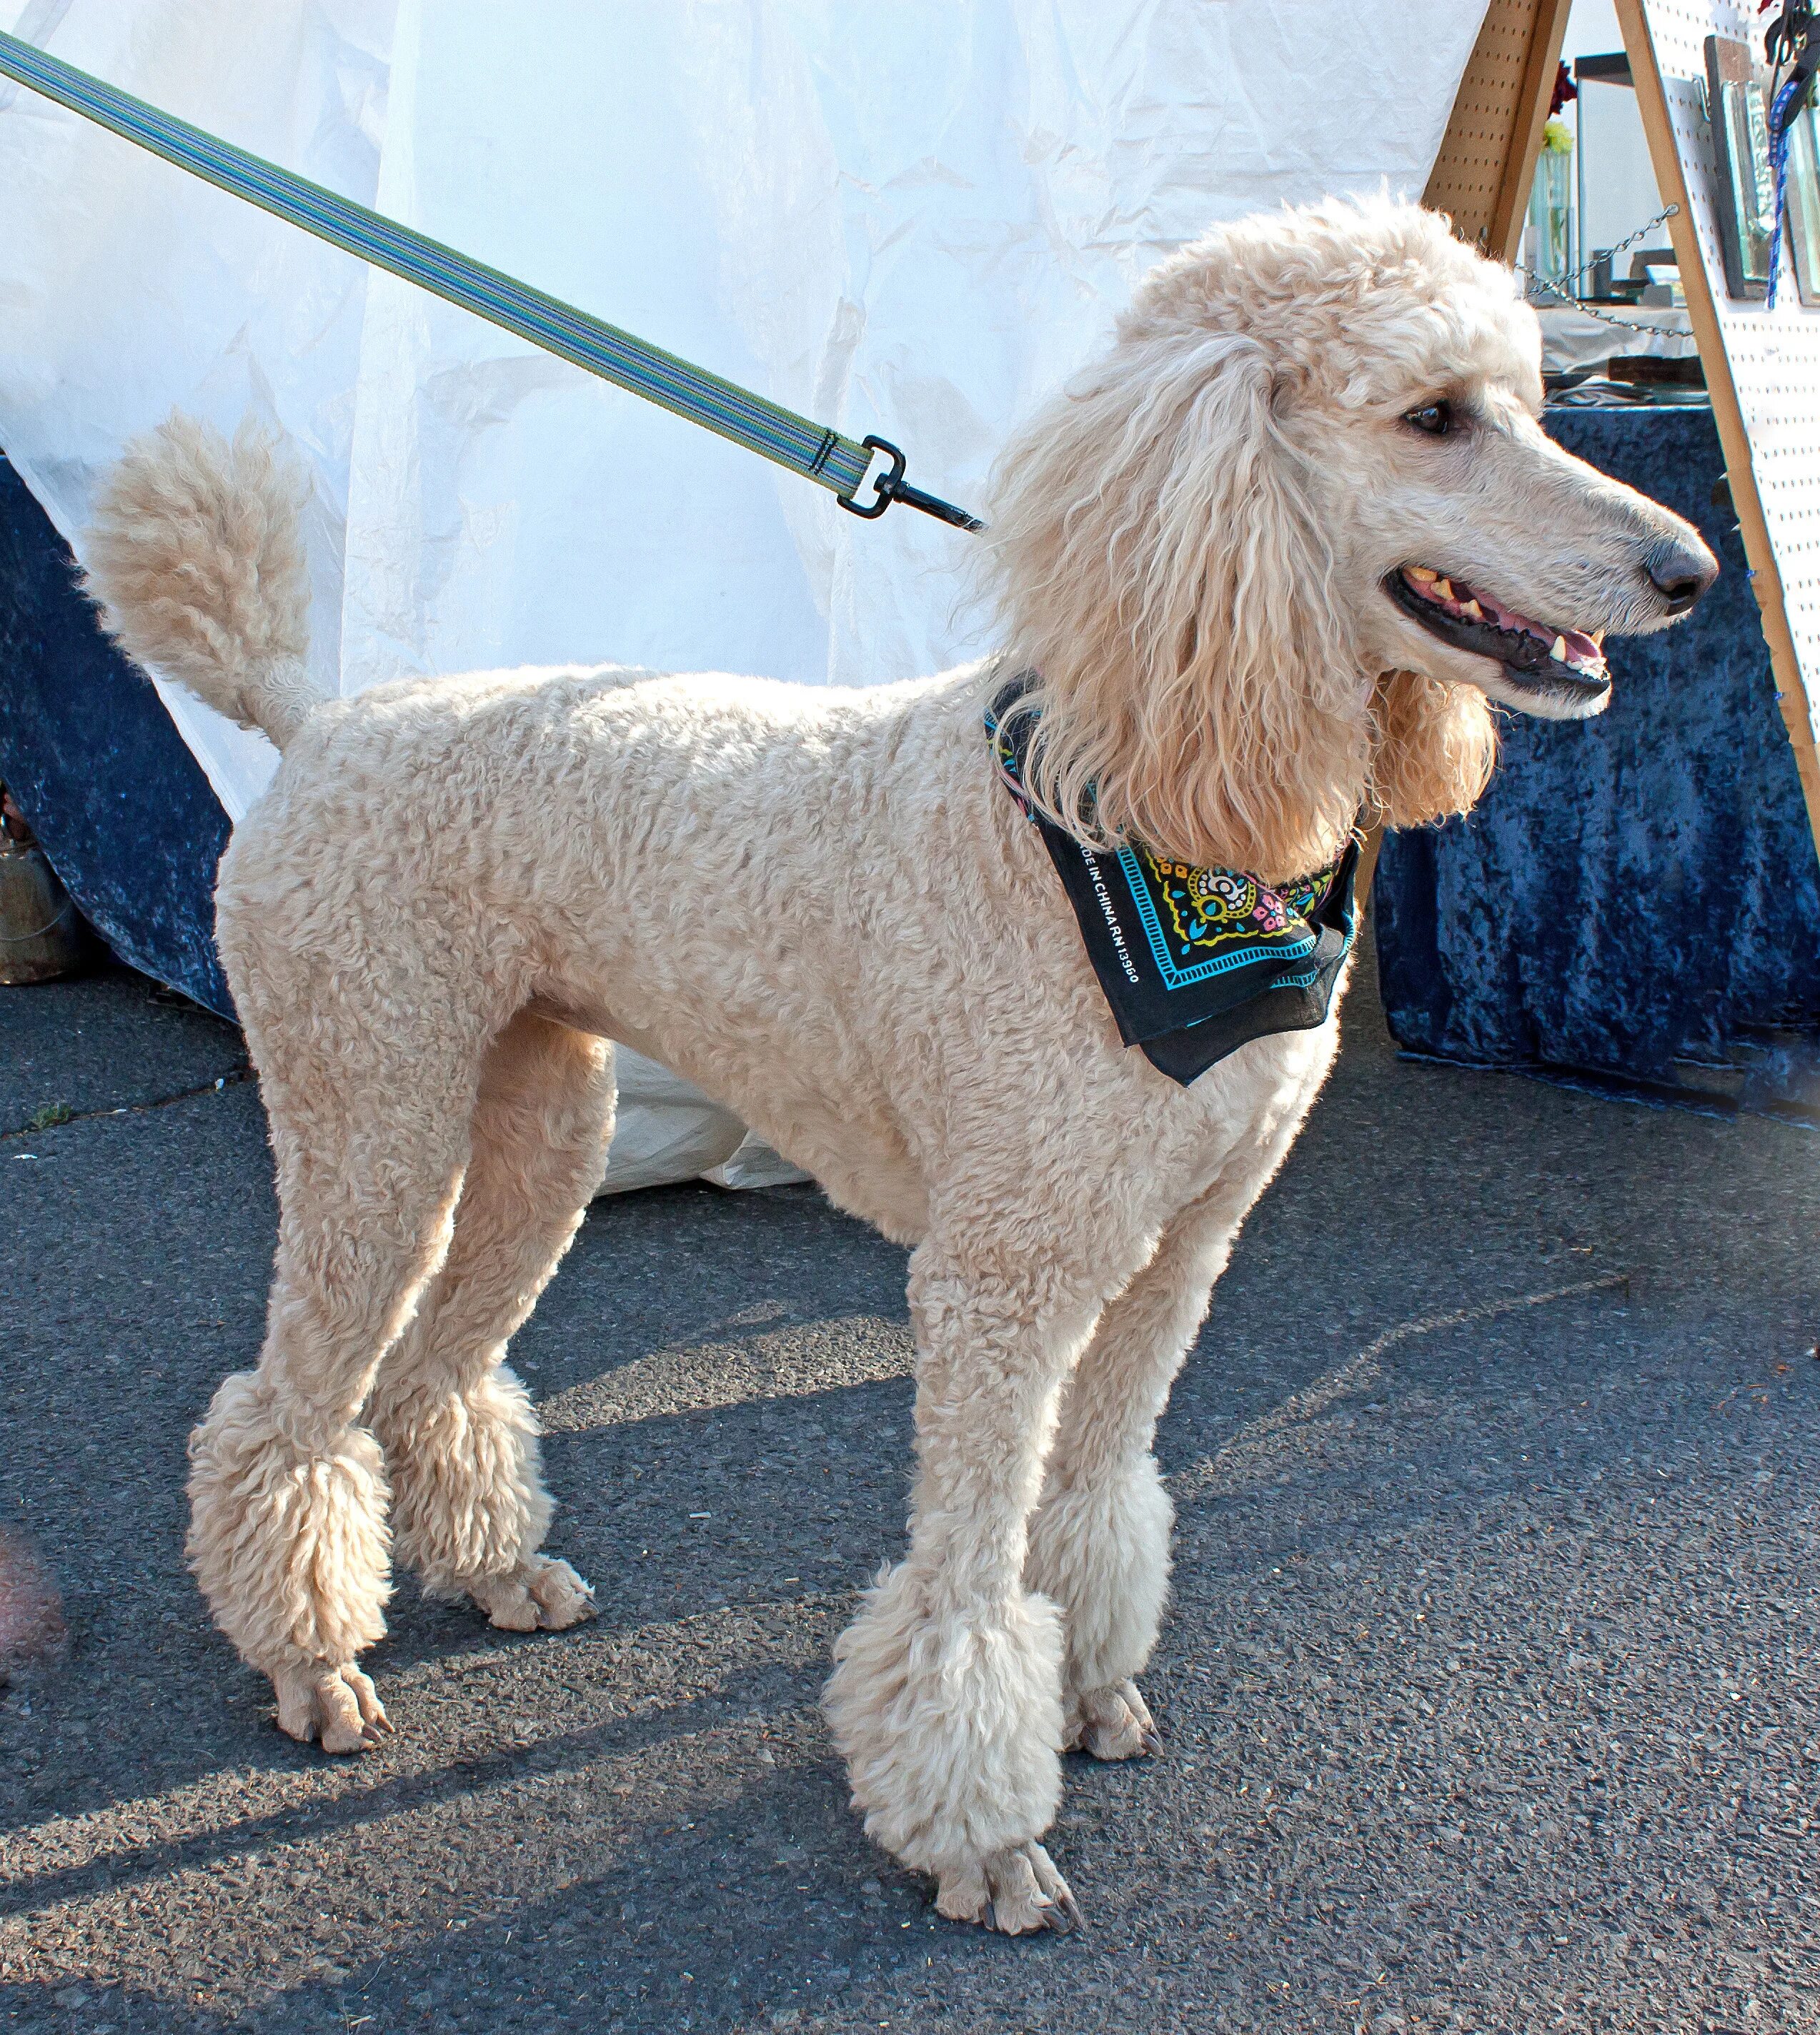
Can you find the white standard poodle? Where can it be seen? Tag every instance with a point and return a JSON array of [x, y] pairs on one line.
[[1260, 571]]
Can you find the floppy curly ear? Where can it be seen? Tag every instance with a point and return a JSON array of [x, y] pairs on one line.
[[1435, 747], [1161, 569]]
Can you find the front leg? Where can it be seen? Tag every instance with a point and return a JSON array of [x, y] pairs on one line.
[[1099, 1542], [946, 1700]]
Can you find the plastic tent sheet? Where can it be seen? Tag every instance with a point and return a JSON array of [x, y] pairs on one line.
[[912, 218]]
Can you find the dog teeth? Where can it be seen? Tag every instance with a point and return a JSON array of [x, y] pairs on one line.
[[1423, 575], [1558, 650], [1599, 638], [1472, 610], [1442, 590]]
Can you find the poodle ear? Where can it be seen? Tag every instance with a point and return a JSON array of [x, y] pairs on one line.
[[1163, 572], [1433, 749]]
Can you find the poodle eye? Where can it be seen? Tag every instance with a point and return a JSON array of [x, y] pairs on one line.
[[1436, 418]]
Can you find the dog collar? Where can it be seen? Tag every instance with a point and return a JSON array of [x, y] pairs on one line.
[[1193, 962]]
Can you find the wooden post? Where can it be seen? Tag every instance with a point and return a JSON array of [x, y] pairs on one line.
[[1727, 413]]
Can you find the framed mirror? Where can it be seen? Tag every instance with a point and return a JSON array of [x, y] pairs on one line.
[[1801, 194], [1741, 152]]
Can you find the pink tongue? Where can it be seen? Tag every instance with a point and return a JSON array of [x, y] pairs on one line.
[[1579, 645]]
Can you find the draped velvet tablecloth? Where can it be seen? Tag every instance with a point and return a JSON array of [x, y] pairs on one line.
[[1637, 891], [121, 807]]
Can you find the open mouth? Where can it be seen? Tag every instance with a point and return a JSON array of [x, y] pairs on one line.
[[1536, 658]]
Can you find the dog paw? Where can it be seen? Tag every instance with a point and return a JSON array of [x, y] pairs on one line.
[[337, 1705], [1113, 1723], [1014, 1891], [541, 1594]]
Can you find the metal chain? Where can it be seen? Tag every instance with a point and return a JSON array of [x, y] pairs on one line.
[[1629, 240], [1607, 318]]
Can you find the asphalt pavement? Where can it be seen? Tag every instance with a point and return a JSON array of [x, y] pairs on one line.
[[1488, 1689]]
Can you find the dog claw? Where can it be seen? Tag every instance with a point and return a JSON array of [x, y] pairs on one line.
[[1065, 1915], [1063, 1918], [336, 1706], [541, 1594], [1113, 1723], [1013, 1892]]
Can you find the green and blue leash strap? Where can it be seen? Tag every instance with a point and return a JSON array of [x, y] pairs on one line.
[[839, 463]]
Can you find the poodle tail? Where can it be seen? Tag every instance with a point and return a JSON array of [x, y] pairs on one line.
[[195, 560]]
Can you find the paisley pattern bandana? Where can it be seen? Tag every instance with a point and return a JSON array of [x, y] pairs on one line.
[[1194, 962]]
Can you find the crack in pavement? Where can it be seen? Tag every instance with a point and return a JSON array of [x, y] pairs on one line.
[[231, 1079], [1256, 1437]]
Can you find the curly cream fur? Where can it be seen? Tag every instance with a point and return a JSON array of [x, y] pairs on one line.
[[195, 556], [468, 1495], [1433, 747], [288, 1541], [950, 1726], [469, 1506], [822, 907]]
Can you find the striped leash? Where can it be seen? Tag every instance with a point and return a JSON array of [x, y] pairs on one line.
[[841, 465]]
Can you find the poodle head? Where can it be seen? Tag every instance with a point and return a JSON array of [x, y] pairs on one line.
[[1274, 553]]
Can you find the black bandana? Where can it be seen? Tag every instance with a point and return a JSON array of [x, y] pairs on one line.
[[1194, 962]]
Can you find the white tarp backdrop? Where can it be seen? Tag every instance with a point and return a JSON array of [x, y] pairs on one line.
[[913, 217]]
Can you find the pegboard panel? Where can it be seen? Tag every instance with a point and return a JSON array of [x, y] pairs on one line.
[[1482, 175], [1762, 365]]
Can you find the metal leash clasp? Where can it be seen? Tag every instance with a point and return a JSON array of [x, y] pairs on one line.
[[884, 485], [890, 486]]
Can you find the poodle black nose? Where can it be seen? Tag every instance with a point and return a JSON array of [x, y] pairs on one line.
[[1680, 571]]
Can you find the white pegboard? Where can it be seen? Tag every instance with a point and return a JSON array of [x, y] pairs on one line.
[[1772, 356]]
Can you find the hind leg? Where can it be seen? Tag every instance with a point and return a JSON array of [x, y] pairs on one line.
[[469, 1511], [287, 1534]]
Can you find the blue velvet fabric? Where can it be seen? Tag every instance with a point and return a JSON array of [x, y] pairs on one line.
[[1633, 890], [118, 803]]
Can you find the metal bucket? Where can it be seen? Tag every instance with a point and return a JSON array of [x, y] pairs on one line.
[[42, 935]]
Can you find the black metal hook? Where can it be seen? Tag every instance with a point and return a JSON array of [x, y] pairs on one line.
[[1788, 32], [890, 486], [1792, 43]]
